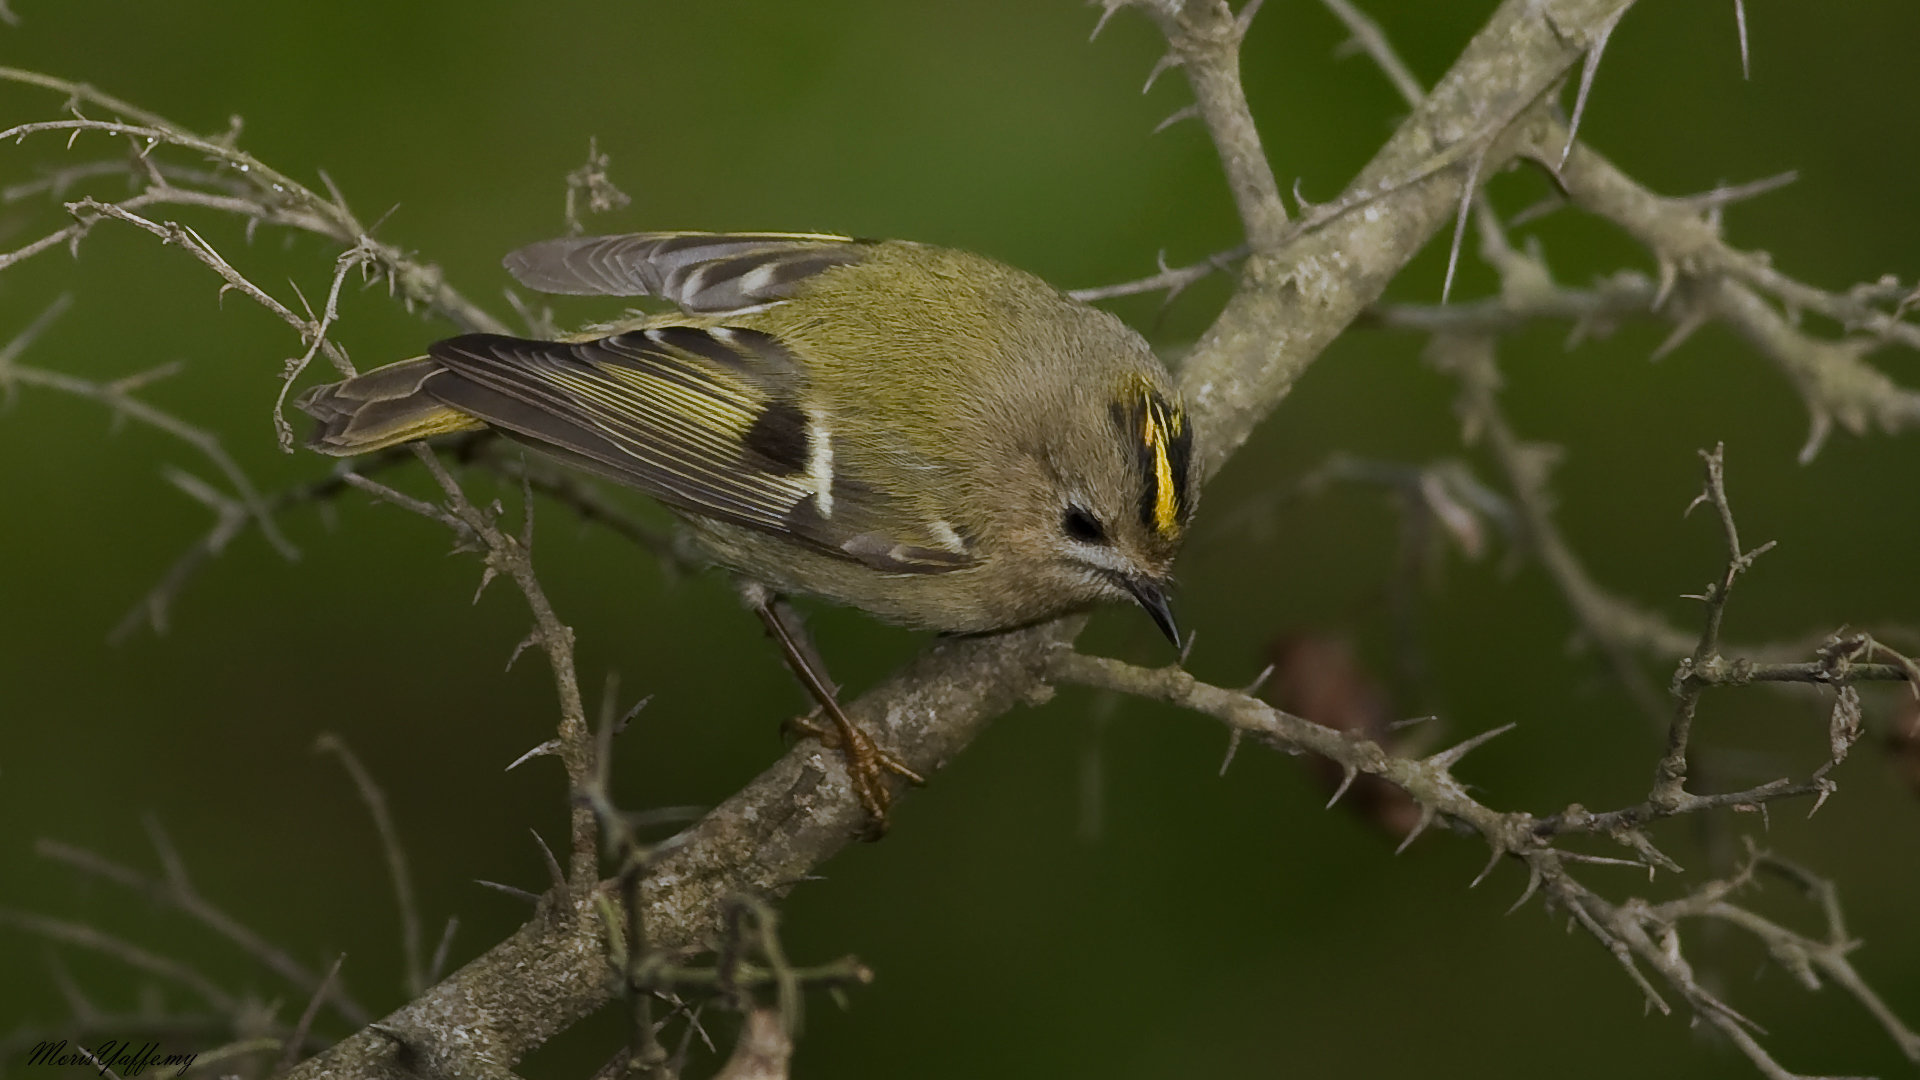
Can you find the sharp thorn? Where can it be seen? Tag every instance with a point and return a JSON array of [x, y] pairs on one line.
[[1827, 787], [1592, 64], [1160, 67], [1740, 21], [486, 578], [1108, 8], [1682, 330], [1233, 747], [521, 894], [551, 746], [532, 637], [1460, 223], [555, 875], [1348, 772], [1669, 276], [1499, 852], [1185, 113], [1446, 759], [1426, 818], [1533, 886]]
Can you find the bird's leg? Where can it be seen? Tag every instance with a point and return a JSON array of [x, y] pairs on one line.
[[867, 764]]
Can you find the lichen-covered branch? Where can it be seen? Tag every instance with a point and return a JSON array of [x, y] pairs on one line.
[[1464, 339], [1709, 279], [1204, 39], [1637, 932], [1615, 627], [1295, 297]]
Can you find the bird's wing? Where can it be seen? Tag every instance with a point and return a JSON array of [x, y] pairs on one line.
[[708, 421]]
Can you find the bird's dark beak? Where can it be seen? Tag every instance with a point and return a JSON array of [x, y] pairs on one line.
[[1152, 596]]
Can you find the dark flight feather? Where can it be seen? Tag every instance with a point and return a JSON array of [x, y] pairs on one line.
[[698, 272]]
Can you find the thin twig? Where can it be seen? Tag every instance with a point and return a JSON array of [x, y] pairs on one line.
[[1174, 280], [396, 856], [1833, 379], [1368, 36], [118, 397], [1670, 776], [418, 283], [176, 890], [305, 1024], [134, 956], [513, 557]]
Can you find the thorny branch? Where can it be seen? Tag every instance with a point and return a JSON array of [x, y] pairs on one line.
[[1705, 278], [1610, 624], [248, 1022], [1635, 931], [1462, 344], [646, 971], [397, 868], [1669, 788], [268, 195], [1204, 40], [582, 498], [118, 397], [176, 890], [1831, 376], [1702, 277], [504, 553], [1617, 627]]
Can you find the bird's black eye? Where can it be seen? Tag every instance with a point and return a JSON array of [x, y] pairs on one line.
[[1083, 526]]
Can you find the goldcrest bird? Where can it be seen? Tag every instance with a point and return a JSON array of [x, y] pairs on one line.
[[928, 435]]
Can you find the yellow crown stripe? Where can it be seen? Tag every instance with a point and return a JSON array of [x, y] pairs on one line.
[[1166, 511], [1140, 411]]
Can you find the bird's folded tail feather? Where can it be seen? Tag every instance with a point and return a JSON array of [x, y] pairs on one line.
[[382, 408]]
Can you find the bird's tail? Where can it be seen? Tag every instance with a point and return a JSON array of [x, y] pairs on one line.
[[382, 408]]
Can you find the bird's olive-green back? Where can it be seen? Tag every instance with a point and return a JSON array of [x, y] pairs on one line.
[[971, 391]]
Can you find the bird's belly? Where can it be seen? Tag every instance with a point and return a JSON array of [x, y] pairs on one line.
[[951, 601]]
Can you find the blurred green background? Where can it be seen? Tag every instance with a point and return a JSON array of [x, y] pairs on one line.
[[1079, 894]]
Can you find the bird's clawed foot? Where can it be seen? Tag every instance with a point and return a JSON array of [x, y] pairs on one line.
[[867, 764]]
